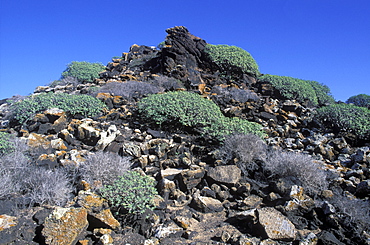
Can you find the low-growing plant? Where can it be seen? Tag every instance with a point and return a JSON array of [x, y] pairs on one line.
[[357, 210], [83, 71], [84, 105], [292, 88], [6, 145], [230, 125], [189, 110], [131, 193], [34, 184], [323, 93], [301, 166], [362, 100], [46, 186], [233, 59], [346, 118], [245, 149], [104, 167], [131, 90]]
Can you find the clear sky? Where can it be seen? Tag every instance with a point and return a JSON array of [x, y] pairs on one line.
[[323, 40]]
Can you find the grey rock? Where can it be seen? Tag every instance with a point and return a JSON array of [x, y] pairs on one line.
[[276, 225], [228, 174]]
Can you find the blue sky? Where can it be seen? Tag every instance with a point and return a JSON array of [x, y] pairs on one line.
[[323, 40]]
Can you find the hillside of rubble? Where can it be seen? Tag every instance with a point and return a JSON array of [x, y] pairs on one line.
[[225, 154]]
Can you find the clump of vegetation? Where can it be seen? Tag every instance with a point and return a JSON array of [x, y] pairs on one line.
[[362, 100], [190, 111], [130, 193], [83, 71], [308, 172], [303, 91], [323, 93], [104, 167], [232, 58], [84, 105], [346, 118], [131, 90], [6, 145], [245, 149], [34, 184]]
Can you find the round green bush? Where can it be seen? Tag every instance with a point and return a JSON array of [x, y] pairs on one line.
[[185, 109], [292, 88], [6, 145], [362, 100], [83, 71], [84, 105], [323, 93], [232, 58], [346, 118], [131, 192]]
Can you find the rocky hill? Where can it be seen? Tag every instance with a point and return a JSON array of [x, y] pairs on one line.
[[300, 181]]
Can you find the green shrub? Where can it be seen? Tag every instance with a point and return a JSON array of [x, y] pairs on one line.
[[323, 94], [232, 58], [292, 88], [6, 145], [346, 118], [131, 192], [189, 110], [362, 100], [83, 71], [85, 105]]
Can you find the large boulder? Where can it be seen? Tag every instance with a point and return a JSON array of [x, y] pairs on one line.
[[227, 174], [64, 225], [275, 225]]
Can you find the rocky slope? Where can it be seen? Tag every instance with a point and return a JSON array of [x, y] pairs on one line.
[[203, 199]]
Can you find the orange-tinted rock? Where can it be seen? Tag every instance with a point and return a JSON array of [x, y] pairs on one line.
[[91, 201], [58, 144], [106, 218], [64, 225], [7, 221], [38, 141]]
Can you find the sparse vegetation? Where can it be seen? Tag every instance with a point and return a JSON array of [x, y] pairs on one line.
[[232, 59], [131, 193], [83, 71], [34, 184], [362, 100], [131, 90], [104, 167], [300, 166], [6, 145], [244, 150], [84, 105], [189, 110], [346, 118]]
